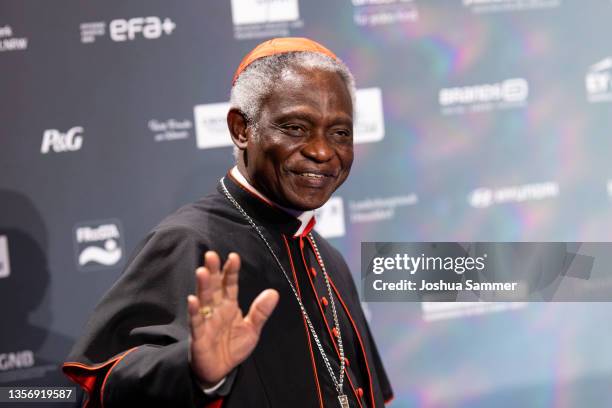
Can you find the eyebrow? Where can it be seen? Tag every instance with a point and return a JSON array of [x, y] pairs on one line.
[[306, 117]]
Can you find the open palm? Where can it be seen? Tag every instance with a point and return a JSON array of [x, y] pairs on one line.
[[224, 338]]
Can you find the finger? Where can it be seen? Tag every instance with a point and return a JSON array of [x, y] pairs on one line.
[[205, 287], [213, 264], [193, 306], [212, 261], [262, 308], [230, 276]]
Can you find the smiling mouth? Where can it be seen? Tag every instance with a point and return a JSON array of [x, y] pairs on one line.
[[313, 175]]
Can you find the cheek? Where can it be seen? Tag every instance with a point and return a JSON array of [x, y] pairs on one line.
[[346, 157]]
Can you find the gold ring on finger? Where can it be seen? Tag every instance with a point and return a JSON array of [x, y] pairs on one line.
[[206, 311]]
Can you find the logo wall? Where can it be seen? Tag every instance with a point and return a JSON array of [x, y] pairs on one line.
[[265, 18], [5, 261], [598, 81], [120, 30], [58, 142], [98, 244], [211, 123], [8, 42], [507, 94]]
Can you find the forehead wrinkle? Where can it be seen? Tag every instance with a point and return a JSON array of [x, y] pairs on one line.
[[318, 101]]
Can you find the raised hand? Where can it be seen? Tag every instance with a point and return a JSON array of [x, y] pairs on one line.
[[221, 338]]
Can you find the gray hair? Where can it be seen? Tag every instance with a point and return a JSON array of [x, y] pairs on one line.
[[258, 79]]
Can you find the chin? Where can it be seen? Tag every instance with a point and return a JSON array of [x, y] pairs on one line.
[[307, 205]]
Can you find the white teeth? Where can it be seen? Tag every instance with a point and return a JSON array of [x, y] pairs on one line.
[[313, 175]]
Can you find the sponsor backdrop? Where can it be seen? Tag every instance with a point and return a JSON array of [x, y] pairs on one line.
[[477, 120]]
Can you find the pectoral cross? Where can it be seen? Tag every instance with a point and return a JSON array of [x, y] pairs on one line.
[[343, 401]]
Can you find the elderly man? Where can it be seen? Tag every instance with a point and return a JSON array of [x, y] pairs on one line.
[[148, 342]]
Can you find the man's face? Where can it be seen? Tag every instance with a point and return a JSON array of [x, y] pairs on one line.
[[304, 146]]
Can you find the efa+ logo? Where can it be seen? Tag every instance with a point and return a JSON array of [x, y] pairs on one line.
[[147, 27], [69, 141]]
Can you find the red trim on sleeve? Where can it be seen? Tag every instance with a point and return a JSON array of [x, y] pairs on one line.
[[88, 376], [314, 364], [388, 400]]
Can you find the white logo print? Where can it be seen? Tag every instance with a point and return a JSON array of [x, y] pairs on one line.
[[598, 81], [16, 360], [370, 121], [330, 218], [121, 30], [497, 6], [211, 125], [433, 311], [510, 93], [5, 262], [10, 43], [98, 244], [265, 18], [57, 141], [485, 197], [170, 129], [264, 11], [384, 12], [481, 198], [147, 27]]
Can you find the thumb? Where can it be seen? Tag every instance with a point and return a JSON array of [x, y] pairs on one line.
[[261, 308]]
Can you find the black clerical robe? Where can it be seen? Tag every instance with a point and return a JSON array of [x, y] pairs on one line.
[[135, 347]]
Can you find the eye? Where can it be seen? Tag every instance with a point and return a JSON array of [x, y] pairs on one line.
[[294, 130], [344, 135]]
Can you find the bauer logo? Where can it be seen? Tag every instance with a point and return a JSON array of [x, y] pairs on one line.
[[98, 244]]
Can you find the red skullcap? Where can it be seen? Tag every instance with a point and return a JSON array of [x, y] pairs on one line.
[[281, 45]]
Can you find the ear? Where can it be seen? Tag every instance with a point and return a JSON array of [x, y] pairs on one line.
[[238, 127]]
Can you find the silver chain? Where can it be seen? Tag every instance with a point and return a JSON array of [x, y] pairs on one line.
[[337, 383]]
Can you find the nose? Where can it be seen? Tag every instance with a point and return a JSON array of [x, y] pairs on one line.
[[318, 148]]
